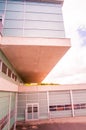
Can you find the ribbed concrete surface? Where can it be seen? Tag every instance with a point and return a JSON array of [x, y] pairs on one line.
[[74, 123]]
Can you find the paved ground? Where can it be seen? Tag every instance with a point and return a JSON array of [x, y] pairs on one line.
[[76, 123], [54, 126]]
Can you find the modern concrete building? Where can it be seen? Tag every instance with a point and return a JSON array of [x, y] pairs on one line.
[[32, 41]]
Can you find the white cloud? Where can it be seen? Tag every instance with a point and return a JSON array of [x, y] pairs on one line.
[[72, 67], [73, 79], [74, 14]]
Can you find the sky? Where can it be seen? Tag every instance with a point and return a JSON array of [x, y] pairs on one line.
[[71, 69]]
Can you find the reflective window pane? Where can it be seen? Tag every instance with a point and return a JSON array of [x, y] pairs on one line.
[[15, 7], [4, 68]]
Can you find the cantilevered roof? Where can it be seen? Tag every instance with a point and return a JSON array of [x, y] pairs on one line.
[[34, 58]]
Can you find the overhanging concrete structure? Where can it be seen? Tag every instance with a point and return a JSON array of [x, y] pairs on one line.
[[34, 58]]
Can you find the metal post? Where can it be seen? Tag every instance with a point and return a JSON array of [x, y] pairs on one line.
[[1, 66], [3, 17], [9, 111], [26, 107], [24, 17], [71, 96], [15, 112], [48, 104]]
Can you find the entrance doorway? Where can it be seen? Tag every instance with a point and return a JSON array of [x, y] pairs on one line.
[[32, 111]]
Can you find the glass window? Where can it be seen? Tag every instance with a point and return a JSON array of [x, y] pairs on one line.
[[68, 107], [15, 7], [2, 5], [1, 11], [43, 17], [83, 106], [43, 33], [13, 76], [13, 24], [43, 8], [35, 109], [60, 107], [4, 68], [76, 106], [12, 32], [80, 106], [14, 15], [44, 25], [2, 0], [29, 109], [9, 72], [52, 108], [15, 1]]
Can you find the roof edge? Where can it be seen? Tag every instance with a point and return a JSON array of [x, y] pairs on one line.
[[48, 1], [35, 41]]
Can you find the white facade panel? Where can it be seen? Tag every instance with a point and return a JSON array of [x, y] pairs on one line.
[[43, 25], [41, 7], [6, 85], [59, 104], [59, 98], [54, 104], [43, 105], [43, 17], [60, 114], [79, 96], [34, 19], [44, 33], [43, 20], [79, 101]]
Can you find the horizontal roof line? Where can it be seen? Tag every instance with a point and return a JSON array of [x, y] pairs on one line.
[[35, 41], [48, 1]]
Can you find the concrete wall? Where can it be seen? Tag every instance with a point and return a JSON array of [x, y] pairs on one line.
[[35, 88], [7, 85]]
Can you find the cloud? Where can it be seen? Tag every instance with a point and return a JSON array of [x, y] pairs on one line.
[[82, 35], [73, 79], [72, 67], [75, 69]]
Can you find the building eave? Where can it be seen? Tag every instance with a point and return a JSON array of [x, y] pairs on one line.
[[34, 58]]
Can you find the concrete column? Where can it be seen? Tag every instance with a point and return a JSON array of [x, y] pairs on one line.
[[15, 112], [9, 111], [72, 104], [48, 104]]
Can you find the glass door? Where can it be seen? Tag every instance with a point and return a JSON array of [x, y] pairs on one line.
[[32, 111]]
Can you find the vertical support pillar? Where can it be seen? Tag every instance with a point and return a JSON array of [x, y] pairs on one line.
[[24, 17], [26, 107], [9, 111], [3, 17], [71, 96], [48, 104], [1, 66], [15, 111]]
